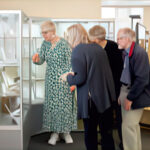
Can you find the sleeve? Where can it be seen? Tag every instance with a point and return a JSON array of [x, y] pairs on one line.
[[66, 57], [79, 67], [41, 54], [110, 81], [140, 71]]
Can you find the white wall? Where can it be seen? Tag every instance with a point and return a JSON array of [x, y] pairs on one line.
[[146, 17]]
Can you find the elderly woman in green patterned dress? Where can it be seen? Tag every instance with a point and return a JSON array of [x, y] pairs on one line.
[[59, 113]]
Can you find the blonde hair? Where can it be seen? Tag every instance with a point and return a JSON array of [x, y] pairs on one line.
[[48, 26], [127, 32], [97, 32], [76, 34]]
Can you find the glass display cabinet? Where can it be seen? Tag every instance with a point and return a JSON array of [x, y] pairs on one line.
[[22, 82], [38, 72], [14, 77]]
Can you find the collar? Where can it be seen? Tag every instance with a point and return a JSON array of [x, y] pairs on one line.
[[131, 49], [128, 50]]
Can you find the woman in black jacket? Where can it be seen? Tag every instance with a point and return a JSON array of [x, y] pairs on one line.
[[97, 34], [95, 88]]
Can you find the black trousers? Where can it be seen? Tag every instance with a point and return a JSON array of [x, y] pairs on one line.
[[118, 121], [104, 121]]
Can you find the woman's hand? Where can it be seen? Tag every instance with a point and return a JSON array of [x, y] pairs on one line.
[[63, 77], [36, 58], [72, 88]]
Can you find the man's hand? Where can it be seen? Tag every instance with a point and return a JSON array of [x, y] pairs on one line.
[[127, 104], [119, 102]]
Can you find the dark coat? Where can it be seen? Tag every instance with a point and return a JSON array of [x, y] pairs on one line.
[[140, 78], [92, 73], [116, 64]]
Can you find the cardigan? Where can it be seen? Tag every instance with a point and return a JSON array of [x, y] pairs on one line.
[[92, 74]]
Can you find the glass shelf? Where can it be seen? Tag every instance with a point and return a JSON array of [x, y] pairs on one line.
[[4, 64]]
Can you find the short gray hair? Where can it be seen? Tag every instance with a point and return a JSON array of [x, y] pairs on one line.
[[97, 32], [48, 26]]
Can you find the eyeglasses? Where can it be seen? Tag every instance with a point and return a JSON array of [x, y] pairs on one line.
[[45, 32]]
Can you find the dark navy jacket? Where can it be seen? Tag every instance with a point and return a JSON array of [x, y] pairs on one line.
[[92, 73], [140, 78]]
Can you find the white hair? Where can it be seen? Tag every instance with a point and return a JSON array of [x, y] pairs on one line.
[[127, 32], [48, 26]]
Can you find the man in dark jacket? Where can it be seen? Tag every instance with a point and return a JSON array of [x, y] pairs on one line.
[[135, 90]]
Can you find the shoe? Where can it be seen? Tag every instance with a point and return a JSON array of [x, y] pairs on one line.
[[67, 137], [53, 139]]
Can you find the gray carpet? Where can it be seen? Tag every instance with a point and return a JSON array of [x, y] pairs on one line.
[[39, 142]]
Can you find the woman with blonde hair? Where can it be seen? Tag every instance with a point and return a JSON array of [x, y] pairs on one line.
[[93, 78], [59, 112]]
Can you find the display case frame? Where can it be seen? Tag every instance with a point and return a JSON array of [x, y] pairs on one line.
[[30, 104], [141, 35], [61, 26], [15, 27]]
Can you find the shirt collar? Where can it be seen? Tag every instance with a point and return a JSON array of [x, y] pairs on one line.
[[128, 49]]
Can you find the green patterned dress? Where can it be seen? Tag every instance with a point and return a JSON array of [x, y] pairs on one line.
[[59, 112]]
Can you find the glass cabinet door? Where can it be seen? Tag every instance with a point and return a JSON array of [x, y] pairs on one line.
[[14, 76], [10, 70], [9, 37], [26, 61], [37, 71]]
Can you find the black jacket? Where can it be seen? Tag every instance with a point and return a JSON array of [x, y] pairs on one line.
[[116, 63], [92, 73], [140, 78]]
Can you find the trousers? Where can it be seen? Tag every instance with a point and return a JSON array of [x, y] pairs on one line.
[[104, 121], [130, 124]]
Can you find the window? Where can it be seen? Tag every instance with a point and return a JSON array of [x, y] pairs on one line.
[[121, 16], [120, 12], [105, 13]]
